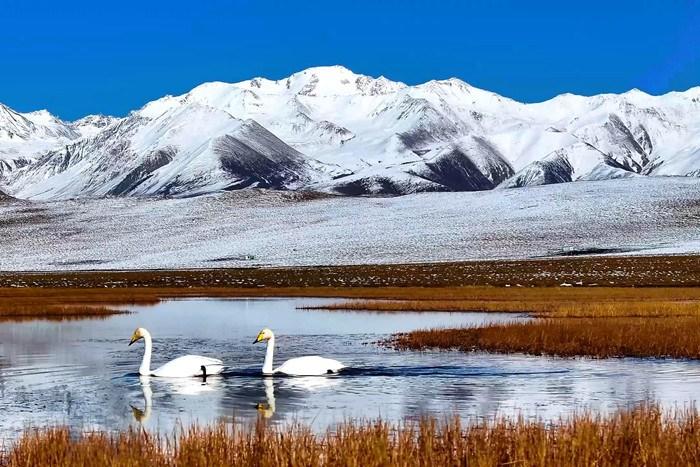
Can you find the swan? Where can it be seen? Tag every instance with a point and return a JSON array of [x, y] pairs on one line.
[[188, 365], [302, 366]]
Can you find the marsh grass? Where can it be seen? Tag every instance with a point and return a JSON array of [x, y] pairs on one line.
[[673, 337], [641, 436], [72, 302], [64, 304], [599, 322], [570, 307], [57, 313]]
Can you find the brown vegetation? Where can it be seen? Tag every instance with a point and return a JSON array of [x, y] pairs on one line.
[[677, 337], [584, 308], [57, 313], [643, 436], [671, 271], [595, 322], [64, 304]]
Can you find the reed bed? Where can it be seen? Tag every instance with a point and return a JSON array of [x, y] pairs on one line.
[[65, 304], [71, 302], [676, 337], [641, 436], [571, 307], [52, 302], [57, 313]]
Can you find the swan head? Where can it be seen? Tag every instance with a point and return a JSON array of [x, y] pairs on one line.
[[140, 333], [264, 335]]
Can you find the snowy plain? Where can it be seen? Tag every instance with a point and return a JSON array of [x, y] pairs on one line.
[[271, 228]]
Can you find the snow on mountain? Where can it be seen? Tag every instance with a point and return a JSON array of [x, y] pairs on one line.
[[186, 150], [24, 135], [92, 124], [329, 129]]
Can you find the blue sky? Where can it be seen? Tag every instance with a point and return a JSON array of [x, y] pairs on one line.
[[75, 58]]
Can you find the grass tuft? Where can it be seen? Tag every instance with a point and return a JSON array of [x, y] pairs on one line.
[[642, 436]]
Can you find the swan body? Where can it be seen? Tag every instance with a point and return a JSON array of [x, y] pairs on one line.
[[182, 367], [309, 366], [302, 366]]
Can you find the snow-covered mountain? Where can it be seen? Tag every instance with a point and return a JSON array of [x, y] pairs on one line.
[[329, 129]]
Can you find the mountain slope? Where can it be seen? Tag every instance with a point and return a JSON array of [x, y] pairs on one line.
[[329, 129], [23, 136], [5, 197], [186, 150]]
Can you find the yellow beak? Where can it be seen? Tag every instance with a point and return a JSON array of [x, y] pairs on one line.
[[259, 338], [134, 338]]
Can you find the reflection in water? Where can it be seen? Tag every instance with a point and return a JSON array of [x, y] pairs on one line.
[[171, 387], [80, 374], [267, 408], [142, 416], [293, 391]]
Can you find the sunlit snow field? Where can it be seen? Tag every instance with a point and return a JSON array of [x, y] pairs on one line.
[[252, 228]]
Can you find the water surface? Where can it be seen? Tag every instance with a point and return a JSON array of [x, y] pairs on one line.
[[82, 373]]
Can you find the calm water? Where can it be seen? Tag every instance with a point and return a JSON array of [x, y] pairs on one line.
[[83, 374]]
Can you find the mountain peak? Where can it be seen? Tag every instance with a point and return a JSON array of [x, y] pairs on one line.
[[337, 80]]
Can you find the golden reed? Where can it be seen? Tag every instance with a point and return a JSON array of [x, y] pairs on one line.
[[642, 436]]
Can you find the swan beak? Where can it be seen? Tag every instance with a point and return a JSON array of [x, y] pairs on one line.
[[134, 338], [260, 338]]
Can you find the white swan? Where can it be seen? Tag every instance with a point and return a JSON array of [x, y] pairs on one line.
[[302, 366], [188, 365]]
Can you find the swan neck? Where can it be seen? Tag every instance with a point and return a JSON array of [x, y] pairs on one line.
[[145, 368], [267, 365]]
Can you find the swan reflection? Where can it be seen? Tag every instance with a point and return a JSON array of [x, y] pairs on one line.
[[177, 386], [141, 416], [306, 384], [267, 408]]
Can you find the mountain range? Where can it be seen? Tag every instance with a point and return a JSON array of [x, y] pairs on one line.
[[328, 129]]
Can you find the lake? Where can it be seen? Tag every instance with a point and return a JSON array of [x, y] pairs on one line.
[[83, 374]]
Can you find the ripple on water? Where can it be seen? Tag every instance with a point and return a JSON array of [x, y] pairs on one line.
[[84, 375]]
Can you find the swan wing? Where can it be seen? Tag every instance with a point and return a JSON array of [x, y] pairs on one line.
[[310, 366], [189, 365]]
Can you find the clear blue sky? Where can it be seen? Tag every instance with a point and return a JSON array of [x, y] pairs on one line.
[[75, 58]]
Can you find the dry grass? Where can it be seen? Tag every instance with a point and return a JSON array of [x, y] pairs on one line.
[[634, 271], [595, 322], [643, 436], [26, 302], [65, 304], [57, 312], [569, 308], [677, 337]]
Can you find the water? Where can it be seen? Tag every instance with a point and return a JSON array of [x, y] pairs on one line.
[[82, 373]]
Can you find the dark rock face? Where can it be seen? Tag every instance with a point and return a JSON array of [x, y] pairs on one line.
[[457, 170], [143, 172], [254, 156], [633, 156], [370, 186], [5, 197], [554, 169]]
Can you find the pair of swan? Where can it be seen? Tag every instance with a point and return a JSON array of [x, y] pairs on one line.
[[195, 365]]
